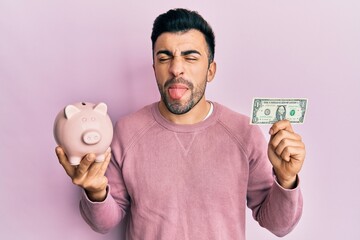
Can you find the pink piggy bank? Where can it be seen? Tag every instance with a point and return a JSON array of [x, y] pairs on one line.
[[83, 128]]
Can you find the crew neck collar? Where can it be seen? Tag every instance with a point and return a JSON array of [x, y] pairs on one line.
[[210, 111], [208, 121]]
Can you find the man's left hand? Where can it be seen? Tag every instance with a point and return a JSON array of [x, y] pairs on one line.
[[286, 152]]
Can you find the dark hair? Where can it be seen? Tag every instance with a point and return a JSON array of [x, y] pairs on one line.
[[182, 20]]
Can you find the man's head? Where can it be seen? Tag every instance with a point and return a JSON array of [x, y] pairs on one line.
[[183, 62], [182, 20]]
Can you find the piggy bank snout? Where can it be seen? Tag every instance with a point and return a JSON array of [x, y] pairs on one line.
[[91, 137]]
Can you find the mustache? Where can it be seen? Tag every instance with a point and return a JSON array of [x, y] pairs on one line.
[[171, 81]]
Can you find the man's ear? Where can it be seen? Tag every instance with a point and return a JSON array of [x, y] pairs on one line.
[[211, 71]]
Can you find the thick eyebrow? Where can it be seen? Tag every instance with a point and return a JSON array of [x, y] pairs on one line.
[[166, 52], [188, 52], [184, 53]]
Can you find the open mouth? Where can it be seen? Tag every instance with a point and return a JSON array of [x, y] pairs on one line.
[[177, 91]]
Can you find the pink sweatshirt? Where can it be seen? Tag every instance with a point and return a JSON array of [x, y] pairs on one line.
[[191, 182]]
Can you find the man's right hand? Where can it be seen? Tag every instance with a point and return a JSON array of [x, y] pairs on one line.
[[89, 175]]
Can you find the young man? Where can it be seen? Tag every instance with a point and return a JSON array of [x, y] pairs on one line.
[[184, 167]]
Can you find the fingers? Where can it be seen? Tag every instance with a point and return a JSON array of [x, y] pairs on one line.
[[98, 169], [85, 164], [285, 142], [281, 125], [291, 153], [286, 152], [105, 163], [283, 135], [89, 174], [69, 169]]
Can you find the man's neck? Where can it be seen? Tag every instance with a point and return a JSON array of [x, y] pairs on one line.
[[197, 114]]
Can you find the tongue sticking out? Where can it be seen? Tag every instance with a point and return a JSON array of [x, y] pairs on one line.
[[176, 93]]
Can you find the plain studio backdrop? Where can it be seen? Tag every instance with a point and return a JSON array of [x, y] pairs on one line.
[[57, 52]]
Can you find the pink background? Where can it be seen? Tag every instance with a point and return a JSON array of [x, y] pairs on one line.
[[57, 52]]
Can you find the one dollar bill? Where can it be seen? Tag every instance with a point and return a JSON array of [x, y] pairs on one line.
[[271, 110]]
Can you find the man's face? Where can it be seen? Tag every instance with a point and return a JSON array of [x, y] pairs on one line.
[[182, 69]]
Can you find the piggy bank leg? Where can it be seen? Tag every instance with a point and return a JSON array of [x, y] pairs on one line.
[[74, 160], [100, 158]]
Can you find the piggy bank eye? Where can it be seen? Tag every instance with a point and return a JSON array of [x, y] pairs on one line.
[[84, 119], [93, 119]]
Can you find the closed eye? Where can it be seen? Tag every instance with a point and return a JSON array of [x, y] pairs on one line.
[[191, 55], [164, 59], [164, 56], [191, 58]]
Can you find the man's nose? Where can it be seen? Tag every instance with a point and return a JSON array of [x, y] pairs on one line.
[[176, 66]]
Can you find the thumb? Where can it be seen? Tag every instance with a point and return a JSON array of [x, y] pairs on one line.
[[63, 160]]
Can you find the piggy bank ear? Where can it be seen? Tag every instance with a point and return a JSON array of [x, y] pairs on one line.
[[71, 110], [101, 108]]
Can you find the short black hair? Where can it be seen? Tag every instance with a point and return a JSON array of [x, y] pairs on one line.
[[182, 20]]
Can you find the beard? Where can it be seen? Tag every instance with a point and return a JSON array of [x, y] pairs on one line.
[[179, 107]]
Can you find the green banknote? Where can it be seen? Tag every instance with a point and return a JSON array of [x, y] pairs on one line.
[[271, 110]]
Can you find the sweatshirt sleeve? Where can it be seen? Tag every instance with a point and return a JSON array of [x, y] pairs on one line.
[[102, 216], [275, 208]]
